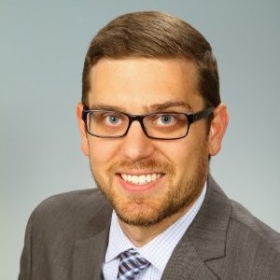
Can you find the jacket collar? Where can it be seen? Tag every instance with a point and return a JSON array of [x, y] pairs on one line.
[[89, 253], [205, 240]]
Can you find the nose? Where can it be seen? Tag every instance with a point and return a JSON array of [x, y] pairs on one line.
[[136, 145]]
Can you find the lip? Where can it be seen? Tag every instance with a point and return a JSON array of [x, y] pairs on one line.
[[131, 187]]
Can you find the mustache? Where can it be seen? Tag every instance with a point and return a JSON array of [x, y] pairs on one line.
[[152, 165]]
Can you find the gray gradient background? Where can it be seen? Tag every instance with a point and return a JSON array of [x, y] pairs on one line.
[[42, 48]]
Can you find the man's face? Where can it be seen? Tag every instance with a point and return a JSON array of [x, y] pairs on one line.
[[147, 180]]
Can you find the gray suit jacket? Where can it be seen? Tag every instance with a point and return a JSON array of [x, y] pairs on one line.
[[67, 235]]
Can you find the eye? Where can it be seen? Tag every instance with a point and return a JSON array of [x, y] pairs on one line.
[[165, 119], [113, 119]]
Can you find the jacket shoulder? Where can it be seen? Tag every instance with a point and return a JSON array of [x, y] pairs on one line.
[[243, 219], [55, 226], [251, 248], [71, 211], [73, 200]]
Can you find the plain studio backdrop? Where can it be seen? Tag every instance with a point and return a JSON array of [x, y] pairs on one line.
[[43, 44]]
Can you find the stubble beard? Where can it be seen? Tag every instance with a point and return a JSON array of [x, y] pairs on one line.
[[144, 211]]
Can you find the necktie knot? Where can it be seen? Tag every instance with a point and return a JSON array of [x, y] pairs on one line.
[[131, 263]]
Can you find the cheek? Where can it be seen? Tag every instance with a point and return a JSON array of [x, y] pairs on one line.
[[99, 156], [101, 152], [178, 151], [187, 156]]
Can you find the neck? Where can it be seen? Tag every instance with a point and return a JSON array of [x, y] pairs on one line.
[[141, 235]]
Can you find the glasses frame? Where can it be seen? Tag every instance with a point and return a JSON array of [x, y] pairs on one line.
[[191, 118]]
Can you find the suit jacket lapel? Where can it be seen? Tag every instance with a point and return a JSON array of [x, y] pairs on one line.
[[204, 242], [89, 253], [185, 263]]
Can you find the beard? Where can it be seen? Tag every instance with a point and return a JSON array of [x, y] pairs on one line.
[[146, 210]]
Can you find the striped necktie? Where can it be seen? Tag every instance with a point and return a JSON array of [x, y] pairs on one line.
[[131, 263]]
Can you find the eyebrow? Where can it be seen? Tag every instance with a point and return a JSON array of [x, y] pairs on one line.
[[169, 105], [150, 108], [107, 107]]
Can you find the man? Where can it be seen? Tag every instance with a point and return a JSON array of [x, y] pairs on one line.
[[150, 120]]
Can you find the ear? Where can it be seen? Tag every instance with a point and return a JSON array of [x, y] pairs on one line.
[[82, 129], [217, 129]]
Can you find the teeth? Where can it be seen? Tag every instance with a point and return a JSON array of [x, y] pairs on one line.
[[140, 180]]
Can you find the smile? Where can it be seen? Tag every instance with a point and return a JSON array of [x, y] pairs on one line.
[[140, 179]]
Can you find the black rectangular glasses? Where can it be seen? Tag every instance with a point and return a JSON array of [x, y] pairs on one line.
[[158, 125]]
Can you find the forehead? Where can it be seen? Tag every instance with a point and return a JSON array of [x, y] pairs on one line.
[[137, 84]]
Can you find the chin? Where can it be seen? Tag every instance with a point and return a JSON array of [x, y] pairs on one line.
[[144, 213], [136, 211]]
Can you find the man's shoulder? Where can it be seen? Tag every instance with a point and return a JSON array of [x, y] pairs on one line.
[[249, 249], [73, 200], [254, 228], [57, 226], [71, 210], [241, 218]]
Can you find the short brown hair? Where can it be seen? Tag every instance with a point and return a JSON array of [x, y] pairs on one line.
[[154, 35]]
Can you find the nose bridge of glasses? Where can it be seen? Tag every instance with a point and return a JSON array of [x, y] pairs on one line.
[[140, 119]]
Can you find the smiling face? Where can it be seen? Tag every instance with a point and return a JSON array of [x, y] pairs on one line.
[[149, 181]]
